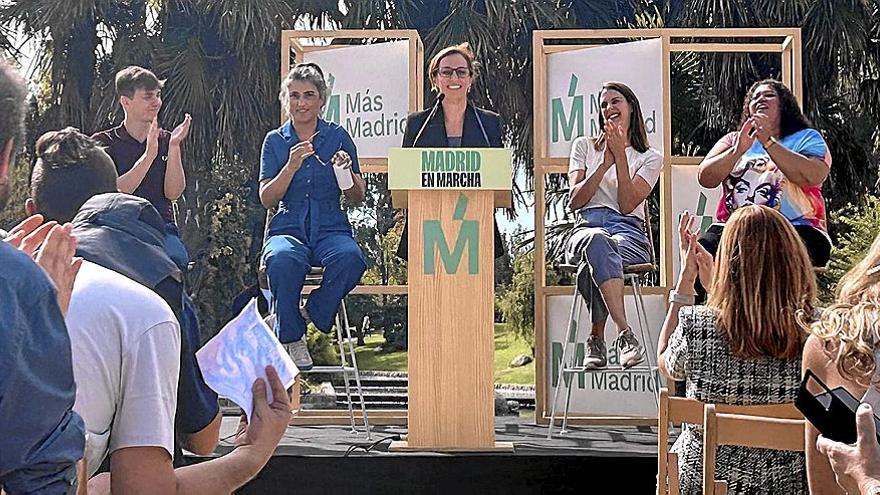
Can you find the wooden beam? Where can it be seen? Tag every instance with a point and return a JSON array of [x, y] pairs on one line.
[[727, 47], [539, 85], [352, 33], [666, 224], [549, 49]]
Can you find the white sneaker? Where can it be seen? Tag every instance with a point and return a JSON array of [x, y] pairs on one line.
[[299, 352], [629, 351], [597, 355]]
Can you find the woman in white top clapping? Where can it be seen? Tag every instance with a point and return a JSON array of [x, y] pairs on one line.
[[609, 177]]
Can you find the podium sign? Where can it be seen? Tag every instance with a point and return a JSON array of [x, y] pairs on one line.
[[451, 197], [483, 169]]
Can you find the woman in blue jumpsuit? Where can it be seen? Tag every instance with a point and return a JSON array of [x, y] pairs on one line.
[[309, 228]]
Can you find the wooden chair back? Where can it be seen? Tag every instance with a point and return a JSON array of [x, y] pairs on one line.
[[745, 431], [678, 410]]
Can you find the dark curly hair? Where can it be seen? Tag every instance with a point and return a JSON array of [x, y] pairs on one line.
[[791, 118]]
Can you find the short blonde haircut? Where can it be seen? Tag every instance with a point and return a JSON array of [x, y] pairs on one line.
[[763, 281], [463, 49], [849, 327]]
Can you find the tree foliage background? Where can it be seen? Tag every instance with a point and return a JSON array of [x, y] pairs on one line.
[[220, 59]]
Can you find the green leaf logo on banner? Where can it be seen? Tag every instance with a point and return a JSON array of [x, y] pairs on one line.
[[468, 236]]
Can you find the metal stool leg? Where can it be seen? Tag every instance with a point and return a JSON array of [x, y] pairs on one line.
[[357, 374], [649, 344], [342, 359], [573, 328]]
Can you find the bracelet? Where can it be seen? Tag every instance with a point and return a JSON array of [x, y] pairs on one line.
[[772, 141], [685, 299]]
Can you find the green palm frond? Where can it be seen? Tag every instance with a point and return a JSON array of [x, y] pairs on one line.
[[245, 24]]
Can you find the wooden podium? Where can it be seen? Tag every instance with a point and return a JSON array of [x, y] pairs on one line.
[[451, 195]]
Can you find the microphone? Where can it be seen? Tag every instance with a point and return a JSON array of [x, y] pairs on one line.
[[430, 116]]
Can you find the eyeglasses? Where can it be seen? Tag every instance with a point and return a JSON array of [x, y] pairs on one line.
[[448, 72]]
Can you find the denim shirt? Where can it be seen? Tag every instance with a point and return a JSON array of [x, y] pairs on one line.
[[310, 208], [41, 438]]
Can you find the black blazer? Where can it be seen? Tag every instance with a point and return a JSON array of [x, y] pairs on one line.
[[481, 129]]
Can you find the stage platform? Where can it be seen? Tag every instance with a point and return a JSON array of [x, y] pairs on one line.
[[320, 459]]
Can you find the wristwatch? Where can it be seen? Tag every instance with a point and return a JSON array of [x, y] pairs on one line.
[[686, 299], [769, 144]]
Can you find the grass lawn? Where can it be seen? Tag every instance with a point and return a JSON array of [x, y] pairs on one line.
[[506, 348]]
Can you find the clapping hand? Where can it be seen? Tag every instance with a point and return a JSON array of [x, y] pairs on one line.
[[746, 136], [29, 234], [153, 140], [56, 258], [615, 138], [695, 260], [762, 127], [179, 134]]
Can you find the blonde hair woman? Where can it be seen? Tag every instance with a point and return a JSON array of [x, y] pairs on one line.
[[841, 349], [744, 346]]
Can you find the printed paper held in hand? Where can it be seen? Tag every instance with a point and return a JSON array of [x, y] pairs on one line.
[[239, 354]]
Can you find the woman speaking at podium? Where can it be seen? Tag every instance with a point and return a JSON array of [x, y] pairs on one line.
[[453, 121], [306, 164]]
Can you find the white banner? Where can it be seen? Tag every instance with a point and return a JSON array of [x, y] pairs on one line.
[[575, 77], [610, 393], [369, 93]]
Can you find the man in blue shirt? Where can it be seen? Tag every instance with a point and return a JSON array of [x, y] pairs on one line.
[[41, 438]]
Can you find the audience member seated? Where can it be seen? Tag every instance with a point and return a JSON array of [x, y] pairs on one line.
[[775, 159], [41, 438], [610, 177], [126, 345], [310, 228], [125, 234], [744, 346], [841, 349]]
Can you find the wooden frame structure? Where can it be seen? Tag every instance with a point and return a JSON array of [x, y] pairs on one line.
[[293, 49], [789, 48]]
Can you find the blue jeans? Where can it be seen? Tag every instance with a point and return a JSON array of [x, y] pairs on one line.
[[288, 260], [602, 244]]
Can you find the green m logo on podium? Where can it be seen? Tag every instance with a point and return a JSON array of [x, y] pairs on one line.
[[468, 236]]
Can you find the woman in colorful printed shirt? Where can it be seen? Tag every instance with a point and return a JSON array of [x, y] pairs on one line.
[[776, 159]]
